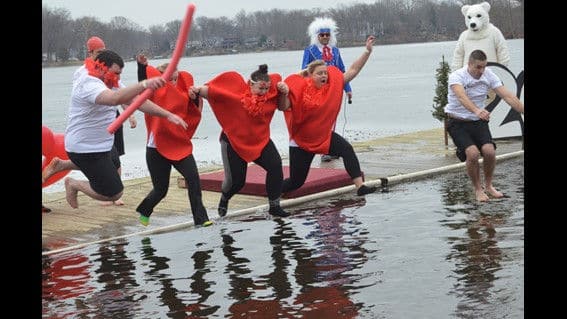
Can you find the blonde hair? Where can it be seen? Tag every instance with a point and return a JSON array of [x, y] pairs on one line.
[[314, 64], [162, 67]]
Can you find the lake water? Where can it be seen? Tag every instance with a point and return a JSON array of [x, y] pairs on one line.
[[425, 249], [392, 95]]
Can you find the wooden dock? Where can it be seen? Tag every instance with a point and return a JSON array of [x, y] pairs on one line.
[[383, 157]]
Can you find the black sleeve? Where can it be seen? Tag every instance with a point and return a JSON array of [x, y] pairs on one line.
[[142, 75]]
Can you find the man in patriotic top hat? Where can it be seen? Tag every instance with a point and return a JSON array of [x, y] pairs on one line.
[[323, 35]]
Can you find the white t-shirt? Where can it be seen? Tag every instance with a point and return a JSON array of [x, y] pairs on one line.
[[475, 89], [78, 72], [87, 121]]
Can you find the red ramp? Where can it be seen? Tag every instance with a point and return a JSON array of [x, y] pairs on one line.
[[318, 180]]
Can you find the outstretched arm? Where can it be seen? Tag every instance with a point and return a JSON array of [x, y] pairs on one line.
[[357, 65], [125, 95], [151, 108], [510, 98]]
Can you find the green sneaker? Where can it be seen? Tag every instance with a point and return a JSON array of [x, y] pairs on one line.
[[207, 223], [144, 220]]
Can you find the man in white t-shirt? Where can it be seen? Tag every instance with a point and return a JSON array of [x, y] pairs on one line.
[[468, 119], [92, 109], [95, 45]]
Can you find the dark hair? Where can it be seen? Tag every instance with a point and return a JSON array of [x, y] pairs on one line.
[[477, 55], [261, 74], [109, 58]]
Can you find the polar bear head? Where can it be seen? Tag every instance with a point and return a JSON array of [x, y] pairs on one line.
[[476, 16]]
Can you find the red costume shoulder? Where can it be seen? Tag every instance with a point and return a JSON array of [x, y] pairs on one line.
[[313, 110], [172, 141], [244, 117]]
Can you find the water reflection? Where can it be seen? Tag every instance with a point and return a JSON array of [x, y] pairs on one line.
[[323, 271], [116, 275], [479, 229], [423, 250], [318, 287], [168, 294], [64, 280], [200, 286]]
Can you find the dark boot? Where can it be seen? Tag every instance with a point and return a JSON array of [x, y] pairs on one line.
[[223, 206], [363, 190], [276, 209]]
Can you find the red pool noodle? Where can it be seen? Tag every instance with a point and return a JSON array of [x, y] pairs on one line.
[[179, 48]]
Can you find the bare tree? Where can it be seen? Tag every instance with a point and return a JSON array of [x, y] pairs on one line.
[[56, 32], [83, 29], [393, 21]]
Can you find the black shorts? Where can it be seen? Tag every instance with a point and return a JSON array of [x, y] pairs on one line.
[[100, 170], [467, 133], [115, 155]]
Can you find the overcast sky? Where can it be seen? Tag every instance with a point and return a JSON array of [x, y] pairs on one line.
[[150, 12]]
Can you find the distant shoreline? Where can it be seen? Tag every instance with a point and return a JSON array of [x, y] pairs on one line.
[[58, 64], [191, 54]]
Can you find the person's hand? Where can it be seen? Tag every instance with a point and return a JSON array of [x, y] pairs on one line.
[[155, 82], [282, 88], [193, 92], [142, 59], [175, 119], [370, 42], [132, 120], [349, 95], [483, 114]]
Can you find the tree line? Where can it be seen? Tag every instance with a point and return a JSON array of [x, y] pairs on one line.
[[392, 21]]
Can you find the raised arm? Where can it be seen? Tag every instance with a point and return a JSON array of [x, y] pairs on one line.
[[357, 65]]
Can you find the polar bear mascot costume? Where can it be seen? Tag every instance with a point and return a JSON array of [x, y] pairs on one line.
[[481, 35]]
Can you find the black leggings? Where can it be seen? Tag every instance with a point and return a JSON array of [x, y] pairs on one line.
[[300, 162], [160, 170], [235, 169]]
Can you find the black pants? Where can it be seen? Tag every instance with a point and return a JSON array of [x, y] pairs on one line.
[[300, 162], [160, 171], [235, 169]]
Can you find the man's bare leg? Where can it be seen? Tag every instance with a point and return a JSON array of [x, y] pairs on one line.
[[117, 202], [55, 166], [72, 186], [473, 170], [489, 163], [71, 192]]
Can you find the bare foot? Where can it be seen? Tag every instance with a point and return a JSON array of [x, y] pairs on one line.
[[481, 196], [50, 169], [71, 193], [493, 192], [117, 202]]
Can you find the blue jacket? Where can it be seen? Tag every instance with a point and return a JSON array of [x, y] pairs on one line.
[[312, 53]]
